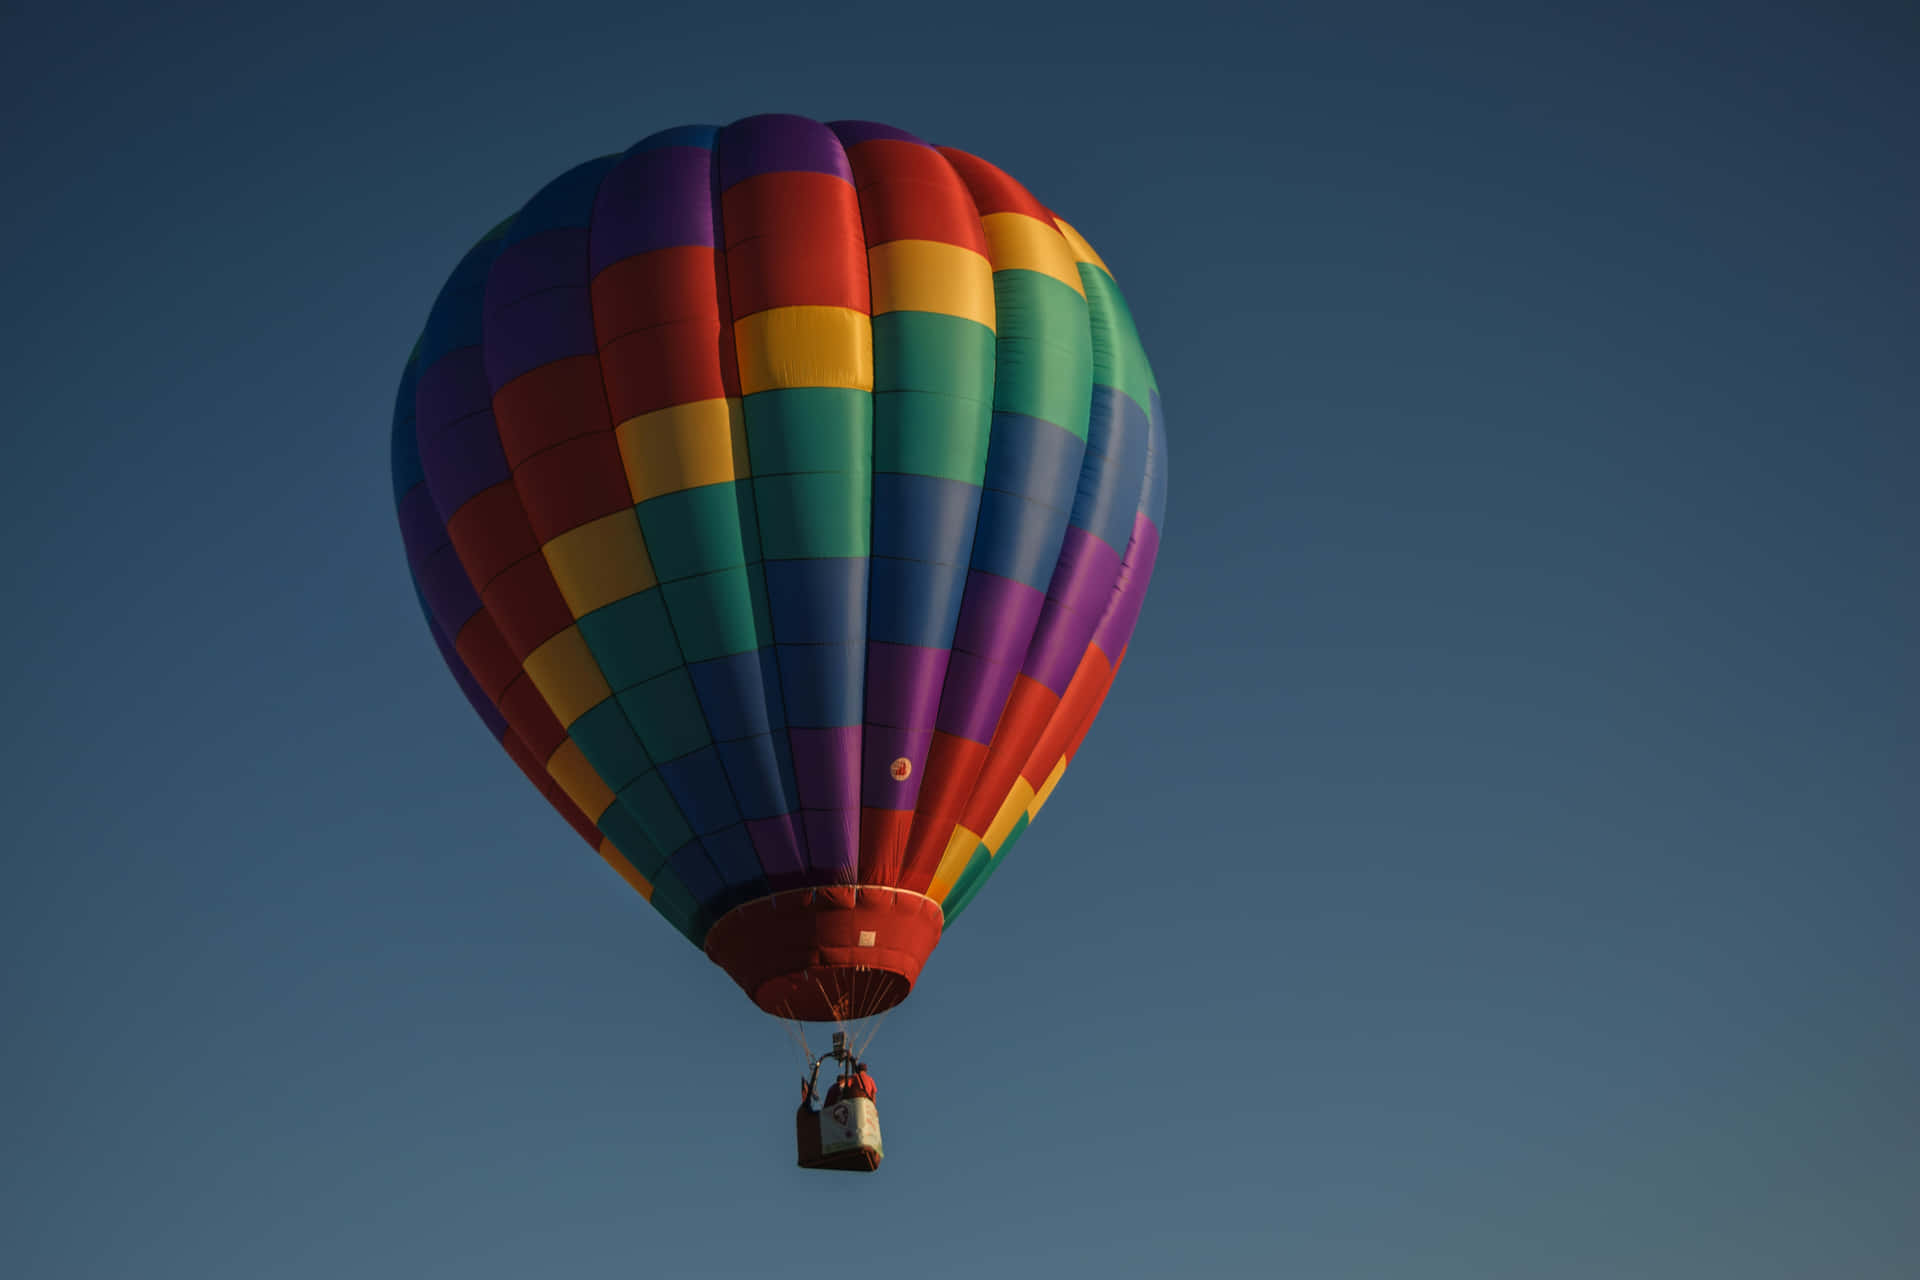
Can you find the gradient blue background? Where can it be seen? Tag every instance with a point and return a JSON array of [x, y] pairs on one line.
[[1496, 858]]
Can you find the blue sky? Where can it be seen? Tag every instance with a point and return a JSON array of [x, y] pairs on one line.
[[1490, 861]]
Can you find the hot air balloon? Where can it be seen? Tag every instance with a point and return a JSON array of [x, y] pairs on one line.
[[782, 496]]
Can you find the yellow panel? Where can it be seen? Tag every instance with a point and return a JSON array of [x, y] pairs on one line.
[[1015, 241], [1046, 789], [569, 679], [577, 778], [805, 347], [600, 562], [960, 847], [925, 275], [1012, 809], [1081, 249], [619, 863], [684, 447]]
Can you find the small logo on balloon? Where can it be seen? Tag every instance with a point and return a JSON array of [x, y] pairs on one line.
[[901, 769]]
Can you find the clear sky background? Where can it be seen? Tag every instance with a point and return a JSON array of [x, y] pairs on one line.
[[1495, 860]]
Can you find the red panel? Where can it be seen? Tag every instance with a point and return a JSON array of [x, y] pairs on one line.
[[1076, 709], [952, 765], [669, 365], [532, 721], [1106, 686], [800, 954], [992, 190], [805, 205], [883, 843], [526, 606], [572, 484], [794, 240], [1025, 717], [554, 402], [662, 286], [485, 652], [490, 532], [908, 192]]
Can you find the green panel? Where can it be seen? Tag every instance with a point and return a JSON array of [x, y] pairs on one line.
[[631, 639], [693, 531], [652, 807], [672, 900], [713, 614], [921, 351], [668, 717], [619, 825], [1045, 351], [808, 429], [931, 435], [978, 867], [1119, 361], [821, 514], [608, 742]]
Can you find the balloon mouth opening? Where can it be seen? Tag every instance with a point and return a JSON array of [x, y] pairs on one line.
[[827, 954]]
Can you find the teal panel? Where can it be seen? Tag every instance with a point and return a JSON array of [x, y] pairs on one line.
[[1119, 361], [713, 614], [923, 434], [921, 351], [1045, 350], [978, 868], [609, 744], [632, 639], [667, 716], [652, 807], [672, 900], [808, 429], [693, 531], [619, 825], [818, 515]]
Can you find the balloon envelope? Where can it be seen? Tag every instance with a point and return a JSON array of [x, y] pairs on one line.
[[783, 496]]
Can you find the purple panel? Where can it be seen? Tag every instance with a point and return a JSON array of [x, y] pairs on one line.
[[461, 460], [653, 200], [455, 387], [833, 845], [903, 684], [539, 330], [1131, 591], [879, 789], [1059, 642], [975, 694], [826, 766], [779, 144], [996, 617], [1084, 577], [548, 260], [448, 591], [852, 131], [777, 841], [421, 529]]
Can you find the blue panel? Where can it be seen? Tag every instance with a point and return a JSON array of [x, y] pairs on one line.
[[822, 683], [818, 601], [731, 852], [923, 517], [737, 692], [1034, 459], [1156, 501], [1112, 478], [754, 768], [1018, 539], [699, 787], [567, 201], [696, 871], [454, 321], [913, 602]]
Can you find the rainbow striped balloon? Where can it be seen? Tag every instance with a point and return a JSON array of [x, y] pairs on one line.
[[783, 496]]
